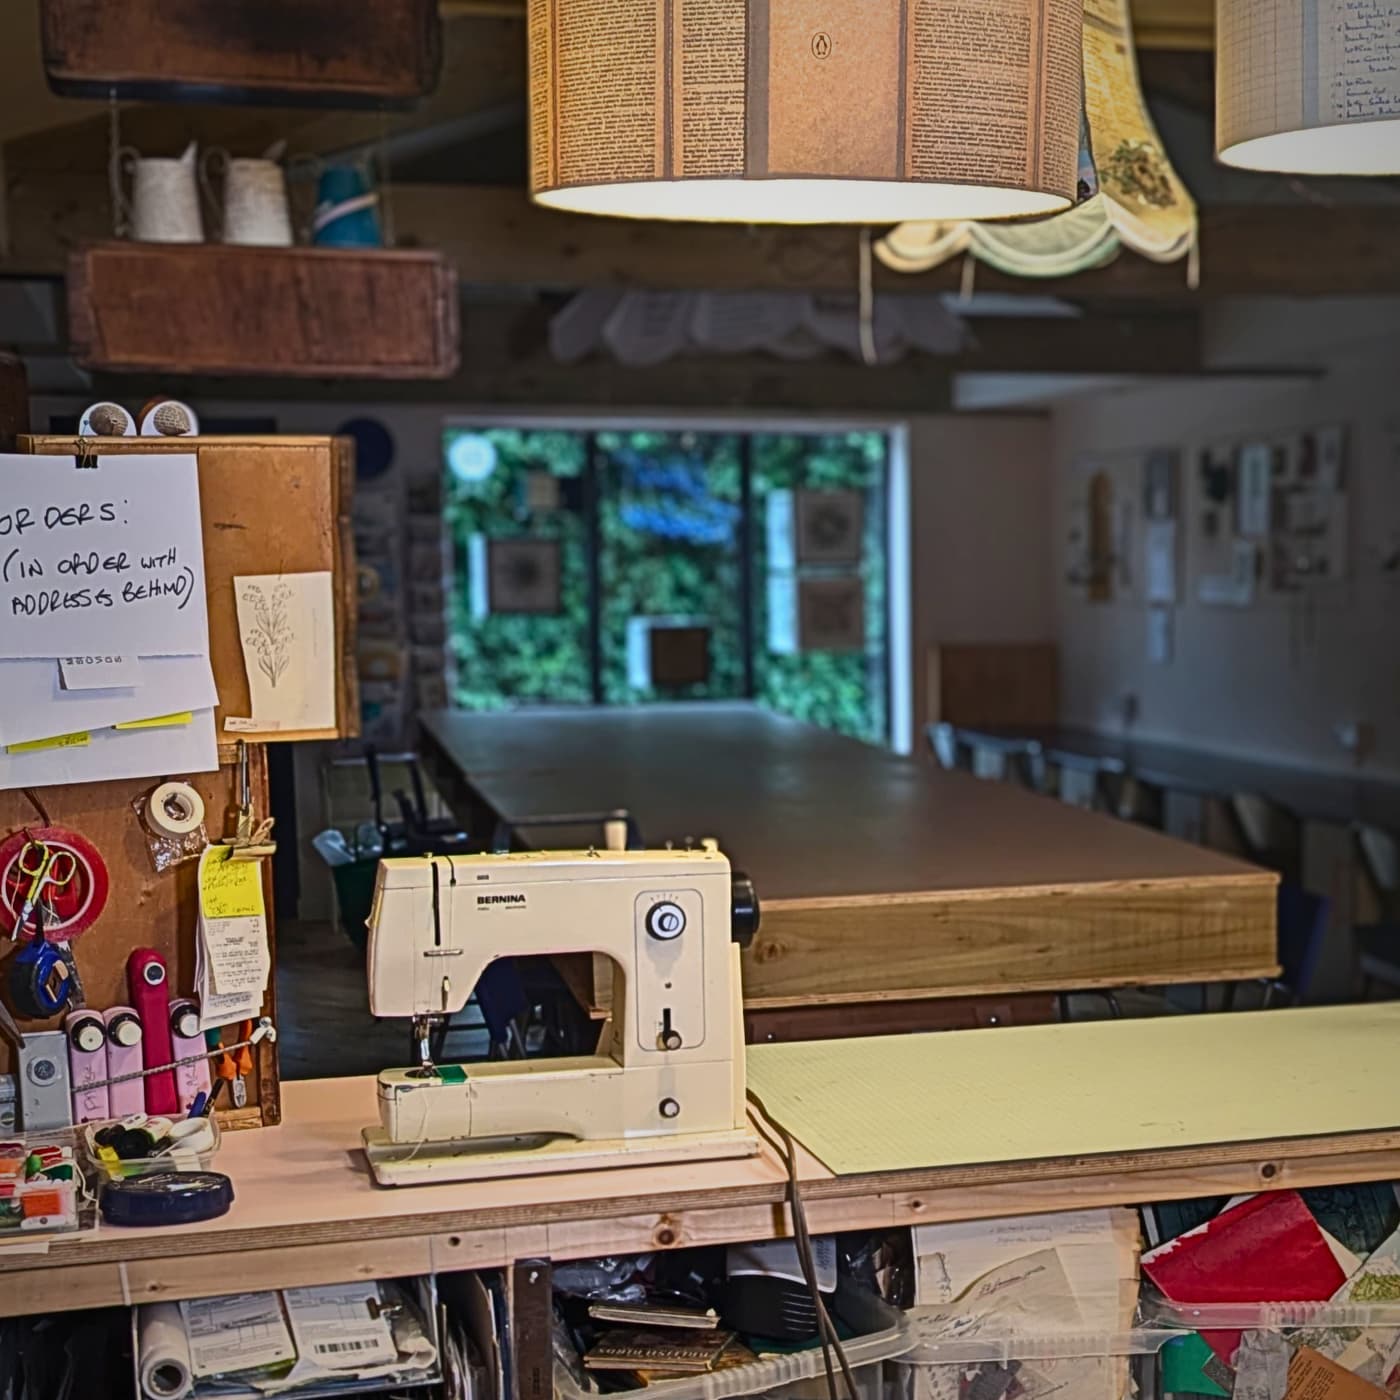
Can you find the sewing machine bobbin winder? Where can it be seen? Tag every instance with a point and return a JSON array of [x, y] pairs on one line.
[[667, 1081]]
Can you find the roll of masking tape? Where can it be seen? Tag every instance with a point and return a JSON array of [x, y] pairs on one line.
[[175, 809]]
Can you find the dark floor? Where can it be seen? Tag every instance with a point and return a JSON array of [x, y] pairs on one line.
[[324, 1026]]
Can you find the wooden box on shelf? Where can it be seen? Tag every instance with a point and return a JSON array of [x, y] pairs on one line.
[[292, 51], [202, 308]]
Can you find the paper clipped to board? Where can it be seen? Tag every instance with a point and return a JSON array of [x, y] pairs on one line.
[[102, 560], [286, 624], [232, 962]]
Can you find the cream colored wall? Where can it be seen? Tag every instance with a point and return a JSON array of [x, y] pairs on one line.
[[1274, 679]]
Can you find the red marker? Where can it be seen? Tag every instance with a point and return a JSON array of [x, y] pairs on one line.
[[146, 980]]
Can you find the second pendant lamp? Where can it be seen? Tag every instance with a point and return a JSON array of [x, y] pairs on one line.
[[805, 111]]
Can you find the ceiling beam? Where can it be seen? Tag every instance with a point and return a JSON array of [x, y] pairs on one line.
[[506, 361], [498, 238]]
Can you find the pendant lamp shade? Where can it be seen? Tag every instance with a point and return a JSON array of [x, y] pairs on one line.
[[1308, 86], [805, 111], [1131, 195]]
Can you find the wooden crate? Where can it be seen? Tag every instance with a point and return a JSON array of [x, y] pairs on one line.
[[146, 909], [993, 683], [204, 308], [286, 51], [269, 505]]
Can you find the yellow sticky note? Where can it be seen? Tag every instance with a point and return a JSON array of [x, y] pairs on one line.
[[159, 722], [229, 889], [59, 741]]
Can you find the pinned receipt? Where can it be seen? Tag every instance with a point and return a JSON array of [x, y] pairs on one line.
[[232, 962]]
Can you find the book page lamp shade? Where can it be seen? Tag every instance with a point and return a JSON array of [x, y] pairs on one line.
[[1310, 87], [805, 111]]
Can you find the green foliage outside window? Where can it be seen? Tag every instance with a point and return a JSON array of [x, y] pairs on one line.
[[509, 659], [671, 536]]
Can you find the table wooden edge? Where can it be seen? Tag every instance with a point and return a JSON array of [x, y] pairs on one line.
[[111, 1271]]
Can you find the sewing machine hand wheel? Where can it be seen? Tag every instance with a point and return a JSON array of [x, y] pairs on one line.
[[745, 914]]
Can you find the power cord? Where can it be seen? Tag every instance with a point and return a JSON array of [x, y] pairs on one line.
[[826, 1330]]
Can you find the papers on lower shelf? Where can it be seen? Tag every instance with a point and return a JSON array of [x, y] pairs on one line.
[[239, 1332], [1030, 1276], [322, 1339], [96, 755], [232, 962]]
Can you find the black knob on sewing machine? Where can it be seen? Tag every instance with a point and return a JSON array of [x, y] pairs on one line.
[[745, 914]]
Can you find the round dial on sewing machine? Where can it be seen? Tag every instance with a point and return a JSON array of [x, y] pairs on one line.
[[665, 920]]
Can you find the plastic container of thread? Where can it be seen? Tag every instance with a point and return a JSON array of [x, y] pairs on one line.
[[176, 1144]]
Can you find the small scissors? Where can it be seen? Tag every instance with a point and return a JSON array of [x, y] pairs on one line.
[[48, 868]]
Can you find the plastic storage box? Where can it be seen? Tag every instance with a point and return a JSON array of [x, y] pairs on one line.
[[882, 1332]]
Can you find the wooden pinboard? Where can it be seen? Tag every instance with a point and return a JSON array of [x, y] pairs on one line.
[[146, 908], [269, 506], [207, 308], [287, 51]]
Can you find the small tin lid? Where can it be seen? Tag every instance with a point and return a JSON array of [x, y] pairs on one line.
[[167, 1198]]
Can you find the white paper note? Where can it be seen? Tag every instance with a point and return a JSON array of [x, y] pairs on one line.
[[1161, 635], [117, 753], [107, 559], [236, 1333], [36, 704], [340, 1326], [286, 623], [98, 671], [1256, 489], [232, 962], [1159, 543]]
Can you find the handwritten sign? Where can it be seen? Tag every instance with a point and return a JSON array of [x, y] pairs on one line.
[[229, 889], [104, 561]]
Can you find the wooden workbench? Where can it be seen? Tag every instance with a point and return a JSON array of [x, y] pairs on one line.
[[880, 878], [306, 1210]]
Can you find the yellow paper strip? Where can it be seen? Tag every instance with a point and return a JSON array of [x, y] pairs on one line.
[[59, 741], [1023, 1093], [159, 722]]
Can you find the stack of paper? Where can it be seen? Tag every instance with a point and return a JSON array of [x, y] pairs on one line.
[[1031, 1276], [104, 631], [232, 962]]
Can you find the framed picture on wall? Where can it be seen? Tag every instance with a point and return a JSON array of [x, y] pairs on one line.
[[830, 527], [523, 576], [831, 614]]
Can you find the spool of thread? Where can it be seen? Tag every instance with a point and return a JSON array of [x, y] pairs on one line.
[[167, 417], [106, 420], [175, 809]]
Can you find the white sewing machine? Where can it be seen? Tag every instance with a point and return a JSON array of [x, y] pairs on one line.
[[667, 1082]]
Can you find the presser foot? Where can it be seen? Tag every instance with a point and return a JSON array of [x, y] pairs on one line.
[[482, 1159]]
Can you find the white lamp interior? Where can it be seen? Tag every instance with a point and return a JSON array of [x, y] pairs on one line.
[[800, 201]]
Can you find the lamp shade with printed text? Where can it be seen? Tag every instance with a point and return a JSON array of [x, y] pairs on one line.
[[805, 111], [1310, 87]]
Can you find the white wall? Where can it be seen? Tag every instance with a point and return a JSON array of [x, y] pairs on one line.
[[1271, 680]]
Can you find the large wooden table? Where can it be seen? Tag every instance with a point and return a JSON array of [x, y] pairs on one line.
[[882, 879]]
